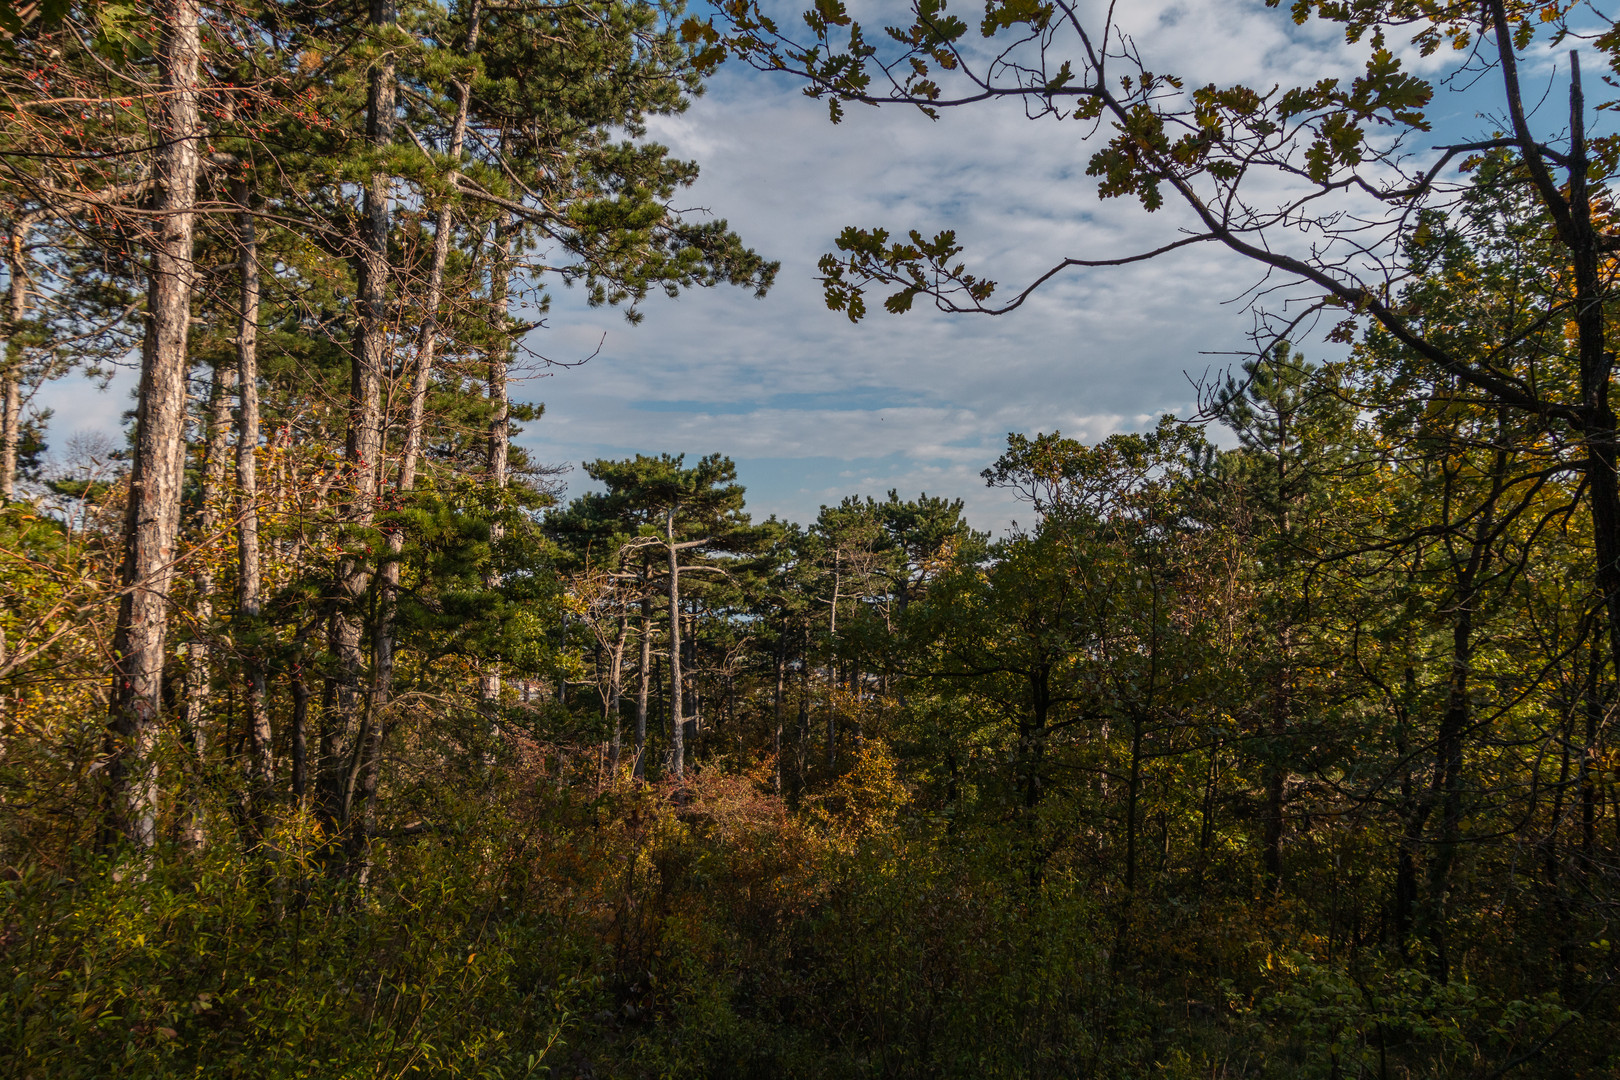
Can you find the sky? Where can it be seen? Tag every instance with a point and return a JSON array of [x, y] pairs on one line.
[[813, 408]]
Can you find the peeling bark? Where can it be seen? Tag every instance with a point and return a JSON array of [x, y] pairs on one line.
[[153, 518]]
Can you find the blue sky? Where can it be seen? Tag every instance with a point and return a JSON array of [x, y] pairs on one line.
[[813, 408]]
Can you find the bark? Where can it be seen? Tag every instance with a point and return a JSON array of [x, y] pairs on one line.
[[677, 718], [1133, 795], [199, 653], [689, 668], [261, 761], [489, 682], [1446, 783], [156, 474], [348, 732], [660, 705], [1414, 811], [832, 732], [1596, 367], [1446, 791], [1591, 763], [804, 718], [616, 693], [776, 728], [11, 420], [643, 682], [1206, 826], [11, 395], [421, 376], [300, 718], [1133, 798], [1032, 741], [1276, 778], [433, 294], [832, 669]]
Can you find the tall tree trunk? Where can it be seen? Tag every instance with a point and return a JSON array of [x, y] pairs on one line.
[[832, 732], [199, 652], [1446, 792], [350, 736], [689, 669], [489, 682], [11, 363], [660, 705], [780, 705], [677, 718], [1596, 360], [832, 668], [616, 694], [261, 760], [11, 420], [383, 636], [1133, 796], [158, 469], [1276, 776], [643, 679], [1591, 765], [300, 715], [804, 715], [1446, 783], [1032, 742]]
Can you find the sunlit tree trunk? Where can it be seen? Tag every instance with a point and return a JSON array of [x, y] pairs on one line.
[[489, 683], [383, 643], [261, 763], [11, 359], [158, 468]]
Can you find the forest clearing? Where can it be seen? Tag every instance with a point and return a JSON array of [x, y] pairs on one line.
[[343, 733]]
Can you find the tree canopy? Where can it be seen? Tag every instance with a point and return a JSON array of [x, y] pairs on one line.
[[339, 738]]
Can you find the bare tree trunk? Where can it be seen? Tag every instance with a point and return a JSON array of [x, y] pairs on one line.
[[832, 668], [16, 312], [199, 652], [489, 682], [677, 720], [661, 705], [616, 693], [643, 681], [421, 376], [153, 519], [261, 761], [12, 421], [349, 735]]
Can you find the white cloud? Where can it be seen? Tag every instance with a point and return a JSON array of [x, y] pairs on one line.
[[928, 399], [814, 408]]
